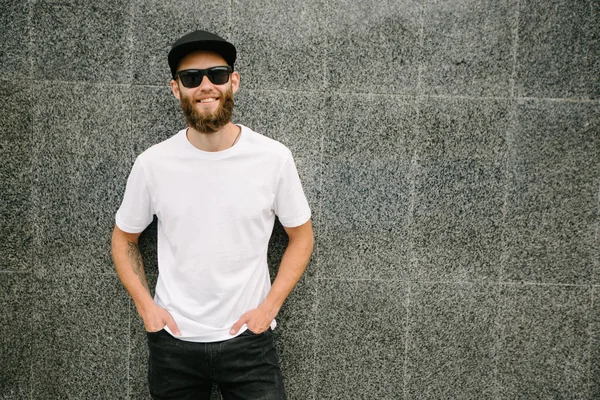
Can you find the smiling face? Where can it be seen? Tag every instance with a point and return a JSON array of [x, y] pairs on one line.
[[208, 107]]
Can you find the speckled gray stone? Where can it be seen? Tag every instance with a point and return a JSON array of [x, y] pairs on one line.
[[80, 325], [280, 44], [75, 40], [595, 346], [366, 187], [365, 210], [138, 350], [15, 176], [452, 341], [295, 340], [373, 46], [459, 189], [552, 207], [14, 46], [15, 335], [544, 352], [81, 160], [468, 47], [158, 24], [294, 119], [156, 116], [360, 339], [559, 49]]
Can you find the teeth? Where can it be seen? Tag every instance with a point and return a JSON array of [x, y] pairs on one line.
[[207, 100]]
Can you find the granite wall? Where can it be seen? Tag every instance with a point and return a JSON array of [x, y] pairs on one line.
[[450, 150]]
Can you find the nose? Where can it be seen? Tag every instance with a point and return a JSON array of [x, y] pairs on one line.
[[205, 83]]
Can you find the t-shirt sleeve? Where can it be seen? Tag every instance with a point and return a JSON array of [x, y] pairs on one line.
[[136, 211], [290, 203]]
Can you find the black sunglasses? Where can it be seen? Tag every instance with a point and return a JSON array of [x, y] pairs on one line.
[[191, 78]]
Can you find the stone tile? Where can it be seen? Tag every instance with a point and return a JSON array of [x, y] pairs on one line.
[[156, 116], [552, 212], [365, 211], [544, 352], [559, 49], [80, 323], [594, 377], [468, 47], [452, 341], [15, 335], [459, 189], [373, 46], [75, 40], [368, 126], [15, 175], [81, 159], [360, 339], [280, 44], [295, 340], [138, 354], [277, 115], [14, 47], [157, 25], [366, 187]]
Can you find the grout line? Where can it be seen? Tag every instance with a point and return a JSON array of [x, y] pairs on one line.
[[31, 210], [318, 263], [515, 51], [230, 18], [590, 332], [412, 173], [499, 343], [129, 348], [130, 40], [482, 283], [30, 38], [31, 383], [330, 92], [420, 67], [509, 141], [315, 344], [15, 272], [325, 83], [406, 341]]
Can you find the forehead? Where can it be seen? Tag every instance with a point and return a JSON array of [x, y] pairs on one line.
[[201, 60]]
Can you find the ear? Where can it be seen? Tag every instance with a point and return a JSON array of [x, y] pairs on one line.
[[175, 89], [235, 81]]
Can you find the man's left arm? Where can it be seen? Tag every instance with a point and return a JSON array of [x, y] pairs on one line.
[[293, 263]]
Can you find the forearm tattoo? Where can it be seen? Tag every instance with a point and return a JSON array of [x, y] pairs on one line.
[[135, 260]]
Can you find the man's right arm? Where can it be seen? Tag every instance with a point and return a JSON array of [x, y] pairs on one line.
[[130, 268]]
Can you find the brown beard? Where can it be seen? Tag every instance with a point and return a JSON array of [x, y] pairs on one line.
[[212, 122]]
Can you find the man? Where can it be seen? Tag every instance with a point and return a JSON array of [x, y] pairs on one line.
[[215, 188]]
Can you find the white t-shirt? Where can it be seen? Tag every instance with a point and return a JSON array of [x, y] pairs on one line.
[[215, 213]]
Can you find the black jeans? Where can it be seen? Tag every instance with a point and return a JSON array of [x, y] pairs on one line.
[[245, 367]]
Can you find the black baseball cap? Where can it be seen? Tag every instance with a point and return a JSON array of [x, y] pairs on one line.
[[200, 40]]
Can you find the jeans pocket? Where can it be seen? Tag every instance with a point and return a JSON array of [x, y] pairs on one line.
[[248, 332], [152, 334]]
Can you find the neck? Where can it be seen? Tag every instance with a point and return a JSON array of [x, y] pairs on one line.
[[220, 140]]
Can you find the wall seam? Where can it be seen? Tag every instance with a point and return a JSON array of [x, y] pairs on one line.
[[406, 341], [515, 50], [420, 68], [129, 348], [31, 211], [590, 341], [315, 345]]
